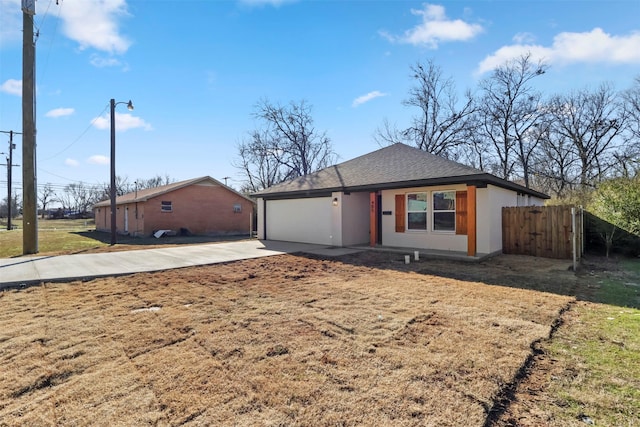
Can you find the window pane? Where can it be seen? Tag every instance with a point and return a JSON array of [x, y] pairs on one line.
[[417, 202], [444, 221], [417, 221], [444, 201], [165, 206]]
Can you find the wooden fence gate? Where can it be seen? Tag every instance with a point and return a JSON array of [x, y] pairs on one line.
[[543, 231]]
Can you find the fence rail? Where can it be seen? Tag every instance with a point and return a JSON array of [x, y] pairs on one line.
[[543, 231]]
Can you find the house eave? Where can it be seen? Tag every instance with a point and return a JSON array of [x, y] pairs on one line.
[[480, 181]]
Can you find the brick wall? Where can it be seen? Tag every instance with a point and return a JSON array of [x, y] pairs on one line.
[[205, 209]]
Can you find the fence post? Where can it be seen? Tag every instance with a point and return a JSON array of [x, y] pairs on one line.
[[573, 236]]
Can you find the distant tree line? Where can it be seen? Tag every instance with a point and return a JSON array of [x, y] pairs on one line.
[[78, 198], [561, 144]]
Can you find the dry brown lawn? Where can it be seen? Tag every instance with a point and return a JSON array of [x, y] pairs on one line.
[[282, 341]]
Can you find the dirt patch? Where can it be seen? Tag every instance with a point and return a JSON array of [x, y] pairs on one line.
[[287, 340]]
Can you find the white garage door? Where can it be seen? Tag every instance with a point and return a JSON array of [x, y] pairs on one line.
[[300, 220]]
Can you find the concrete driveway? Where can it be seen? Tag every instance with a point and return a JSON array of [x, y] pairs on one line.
[[25, 270]]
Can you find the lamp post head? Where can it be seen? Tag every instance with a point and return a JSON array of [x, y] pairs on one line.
[[130, 106]]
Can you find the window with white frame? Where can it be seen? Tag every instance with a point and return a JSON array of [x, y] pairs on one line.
[[444, 210], [166, 206], [416, 211]]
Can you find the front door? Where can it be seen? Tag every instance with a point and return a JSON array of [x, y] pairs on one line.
[[379, 219]]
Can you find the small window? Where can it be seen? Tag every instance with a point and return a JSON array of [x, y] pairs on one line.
[[166, 206], [237, 208], [444, 211], [417, 211]]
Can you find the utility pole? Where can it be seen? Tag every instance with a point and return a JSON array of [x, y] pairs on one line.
[[29, 196], [10, 166]]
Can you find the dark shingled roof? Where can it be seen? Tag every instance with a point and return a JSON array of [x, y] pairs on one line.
[[395, 166]]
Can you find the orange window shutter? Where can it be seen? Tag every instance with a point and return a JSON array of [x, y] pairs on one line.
[[461, 212], [400, 213]]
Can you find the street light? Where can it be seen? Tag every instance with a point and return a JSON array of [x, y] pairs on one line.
[[113, 166]]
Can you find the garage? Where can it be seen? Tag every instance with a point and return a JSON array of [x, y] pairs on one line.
[[306, 220]]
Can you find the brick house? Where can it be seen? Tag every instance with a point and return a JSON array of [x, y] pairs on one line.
[[201, 206]]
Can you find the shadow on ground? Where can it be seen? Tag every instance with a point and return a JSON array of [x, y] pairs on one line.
[[597, 279], [132, 243]]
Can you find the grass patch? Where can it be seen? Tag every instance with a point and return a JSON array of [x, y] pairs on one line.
[[600, 354], [601, 350], [590, 369], [614, 281], [54, 237]]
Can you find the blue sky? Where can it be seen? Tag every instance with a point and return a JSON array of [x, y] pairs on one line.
[[195, 70]]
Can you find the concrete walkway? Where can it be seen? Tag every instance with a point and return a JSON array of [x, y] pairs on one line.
[[28, 270]]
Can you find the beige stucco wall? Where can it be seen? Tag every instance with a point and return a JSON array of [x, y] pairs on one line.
[[354, 218], [490, 202], [424, 239], [260, 217]]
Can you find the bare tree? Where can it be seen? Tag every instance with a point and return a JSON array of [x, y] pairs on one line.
[[591, 122], [286, 147], [510, 111], [443, 124], [631, 105], [156, 181], [628, 158], [530, 124], [555, 165], [123, 186], [259, 165], [79, 197], [16, 205], [46, 195], [626, 161]]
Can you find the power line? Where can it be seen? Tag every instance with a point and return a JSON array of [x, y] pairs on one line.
[[10, 166], [80, 136]]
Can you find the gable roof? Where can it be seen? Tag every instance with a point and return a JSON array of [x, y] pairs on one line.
[[148, 193], [395, 166]]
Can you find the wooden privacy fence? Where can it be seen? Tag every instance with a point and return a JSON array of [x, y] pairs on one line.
[[543, 231]]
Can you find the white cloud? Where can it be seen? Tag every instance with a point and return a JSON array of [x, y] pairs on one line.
[[274, 3], [10, 22], [507, 53], [71, 162], [95, 24], [436, 28], [366, 98], [102, 62], [60, 112], [594, 46], [521, 38], [98, 160], [12, 87], [123, 122]]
